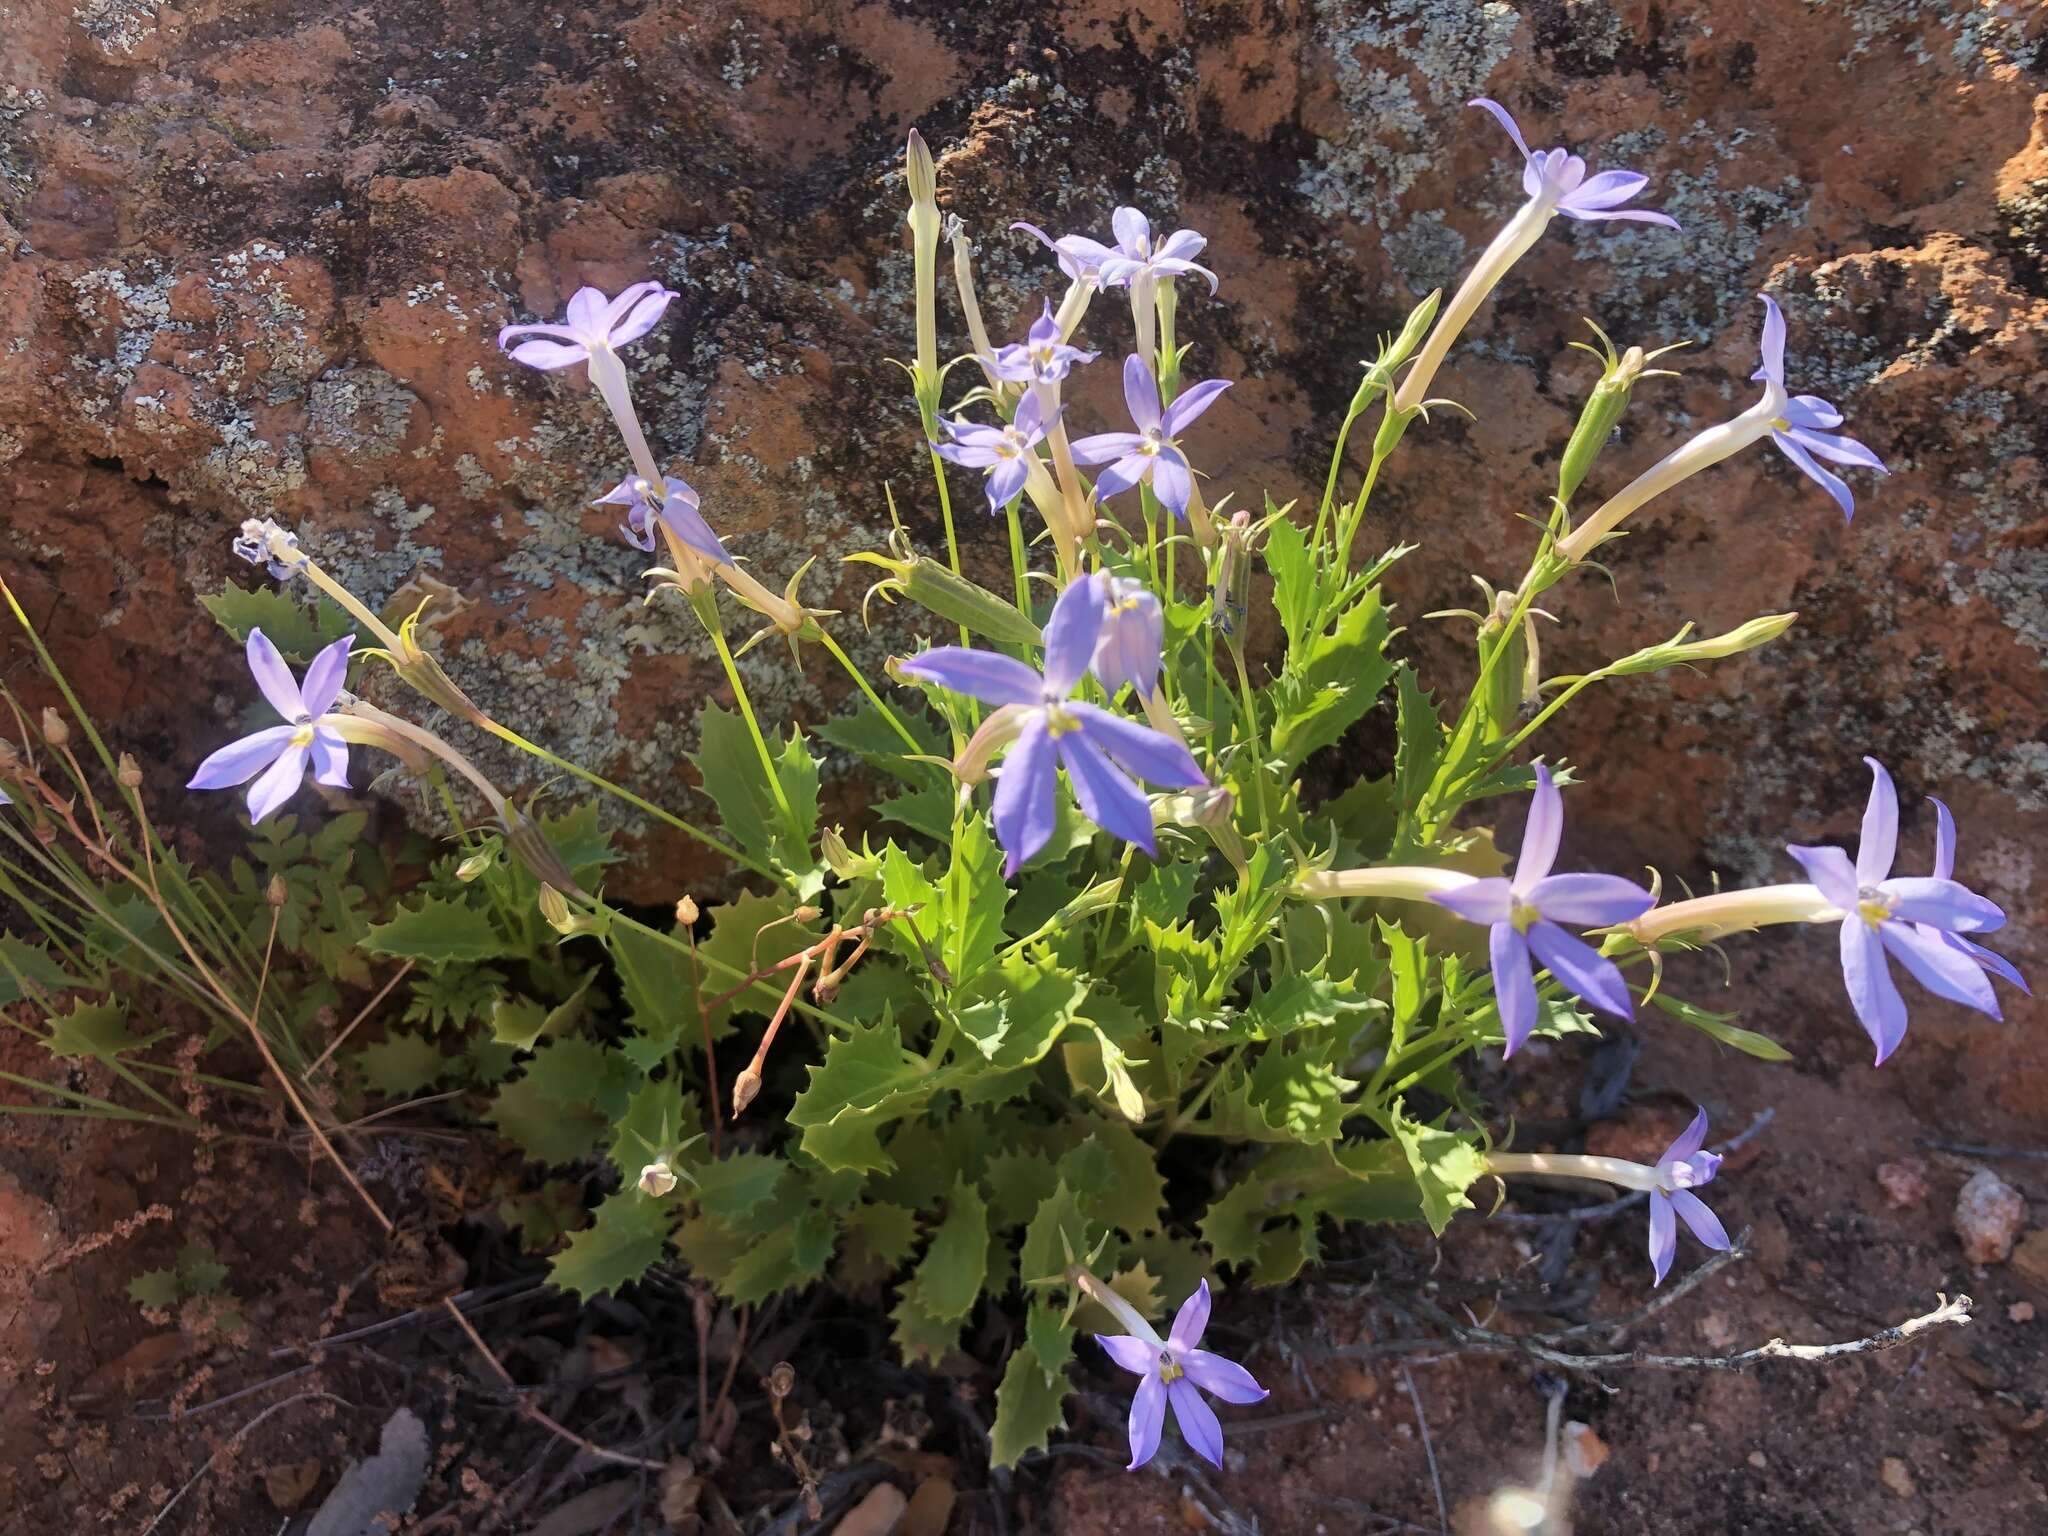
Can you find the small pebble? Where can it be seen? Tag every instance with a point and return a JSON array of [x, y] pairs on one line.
[[2020, 1312], [1990, 1215], [1758, 1460], [1895, 1475], [1904, 1183]]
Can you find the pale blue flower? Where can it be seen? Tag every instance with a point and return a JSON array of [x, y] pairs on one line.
[[594, 324], [678, 510], [1151, 455], [1173, 1369], [280, 754], [1683, 1168], [1804, 426]]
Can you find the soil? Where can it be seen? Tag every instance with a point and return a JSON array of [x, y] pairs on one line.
[[254, 257]]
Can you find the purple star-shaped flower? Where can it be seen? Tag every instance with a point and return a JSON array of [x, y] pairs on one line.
[[280, 752], [1102, 752], [1173, 1368], [1133, 636], [1524, 914], [1804, 427], [1133, 258], [594, 323], [1558, 176], [678, 510], [1042, 358], [1944, 869], [1004, 451], [1906, 916], [1150, 455], [1682, 1169]]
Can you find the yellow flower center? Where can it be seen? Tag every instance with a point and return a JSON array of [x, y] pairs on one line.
[[1522, 915], [1873, 911], [303, 736], [1169, 1370], [1059, 722]]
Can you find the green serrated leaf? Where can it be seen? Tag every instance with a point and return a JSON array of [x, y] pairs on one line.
[[866, 1082], [541, 1125], [949, 1277], [437, 931], [1060, 1234], [402, 1063], [730, 768], [623, 1241], [1050, 1336], [98, 1031], [200, 1271], [1330, 682], [1444, 1164], [1028, 1407], [657, 1121], [156, 1289], [26, 969], [732, 1187], [287, 622], [1235, 1222], [972, 899], [1419, 737], [583, 846], [879, 1236], [1722, 1027], [919, 1337]]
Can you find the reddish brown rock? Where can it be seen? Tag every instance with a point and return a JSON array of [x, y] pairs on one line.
[[258, 255], [1904, 1183], [1990, 1215]]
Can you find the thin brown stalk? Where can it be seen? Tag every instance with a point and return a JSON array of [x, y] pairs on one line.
[[383, 992], [532, 1411]]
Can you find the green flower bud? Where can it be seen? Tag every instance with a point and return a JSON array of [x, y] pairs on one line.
[[1603, 410], [934, 587], [1679, 651]]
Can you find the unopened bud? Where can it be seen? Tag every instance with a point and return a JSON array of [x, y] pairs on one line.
[[1620, 372], [781, 1381], [554, 909], [686, 912], [1420, 319], [277, 893], [55, 731], [807, 913], [476, 864], [128, 772], [841, 859], [745, 1089], [657, 1179], [921, 173], [1679, 651], [936, 588]]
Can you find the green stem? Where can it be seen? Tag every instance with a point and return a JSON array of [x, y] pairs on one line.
[[1250, 706], [619, 792], [845, 661], [705, 601], [1020, 563], [730, 972]]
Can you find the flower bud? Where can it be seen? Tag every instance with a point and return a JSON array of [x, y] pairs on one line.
[[934, 587], [686, 912], [1420, 319], [657, 1179], [128, 772], [781, 1381], [555, 910], [745, 1088], [1679, 651], [1620, 373], [841, 859], [920, 172], [277, 893], [55, 731], [476, 864]]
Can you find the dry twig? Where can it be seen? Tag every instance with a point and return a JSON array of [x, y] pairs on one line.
[[534, 1412]]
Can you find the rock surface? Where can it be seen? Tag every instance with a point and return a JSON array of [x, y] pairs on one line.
[[256, 256]]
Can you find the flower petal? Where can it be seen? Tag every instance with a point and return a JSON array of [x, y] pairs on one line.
[[1610, 189], [1070, 633], [1141, 393], [687, 524], [325, 675], [1486, 901], [1220, 1377], [552, 332], [1514, 988], [550, 355], [1589, 901], [1132, 1353], [1582, 969], [1197, 1422], [1006, 482], [1026, 796], [1876, 1000], [586, 311], [1663, 1234], [1772, 348], [1879, 845], [1942, 904], [1941, 970], [1133, 635], [1809, 466], [279, 782], [1993, 962], [1812, 412], [1621, 215], [984, 675], [1830, 871], [1944, 841], [1192, 1320], [1107, 798], [1837, 447], [274, 677], [240, 761], [1500, 115], [1706, 1226], [1125, 474], [1133, 233], [1182, 245], [1190, 403], [1172, 481], [1104, 446], [639, 317], [1688, 1141], [330, 759], [1540, 836], [1139, 750], [1148, 1417]]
